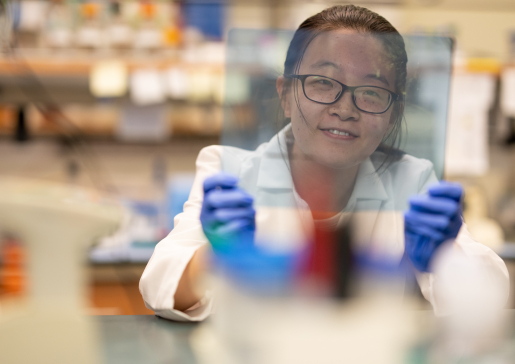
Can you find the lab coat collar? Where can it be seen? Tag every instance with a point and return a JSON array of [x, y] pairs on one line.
[[274, 171], [368, 184]]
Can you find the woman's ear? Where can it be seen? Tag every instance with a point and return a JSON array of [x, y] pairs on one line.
[[285, 101]]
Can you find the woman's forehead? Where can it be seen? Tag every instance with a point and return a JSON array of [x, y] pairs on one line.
[[348, 52]]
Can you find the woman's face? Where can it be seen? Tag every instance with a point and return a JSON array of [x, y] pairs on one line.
[[340, 135]]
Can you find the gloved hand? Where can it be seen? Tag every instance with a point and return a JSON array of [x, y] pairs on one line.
[[431, 220], [228, 220], [227, 216]]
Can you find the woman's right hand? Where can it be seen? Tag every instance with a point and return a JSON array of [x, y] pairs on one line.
[[228, 215]]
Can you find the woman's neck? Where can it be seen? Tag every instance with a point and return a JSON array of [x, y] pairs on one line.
[[326, 190]]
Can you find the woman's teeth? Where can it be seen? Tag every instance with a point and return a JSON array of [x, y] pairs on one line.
[[337, 132]]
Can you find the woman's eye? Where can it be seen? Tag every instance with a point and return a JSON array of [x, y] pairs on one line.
[[325, 82], [371, 93]]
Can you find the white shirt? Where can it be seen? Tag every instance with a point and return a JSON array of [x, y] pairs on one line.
[[284, 221]]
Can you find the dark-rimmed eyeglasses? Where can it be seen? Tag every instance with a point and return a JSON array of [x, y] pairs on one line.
[[325, 90]]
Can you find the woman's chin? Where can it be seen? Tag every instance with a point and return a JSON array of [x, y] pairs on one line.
[[337, 164]]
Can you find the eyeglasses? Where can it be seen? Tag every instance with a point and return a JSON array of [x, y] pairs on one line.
[[325, 90]]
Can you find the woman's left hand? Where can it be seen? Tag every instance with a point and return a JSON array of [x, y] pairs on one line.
[[431, 220]]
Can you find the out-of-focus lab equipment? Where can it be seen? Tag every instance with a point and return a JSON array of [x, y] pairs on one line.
[[56, 225]]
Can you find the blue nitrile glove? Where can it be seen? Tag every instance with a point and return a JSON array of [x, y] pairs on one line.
[[227, 216], [431, 220], [255, 269], [228, 220]]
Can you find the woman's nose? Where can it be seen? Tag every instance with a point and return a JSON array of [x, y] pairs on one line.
[[344, 108]]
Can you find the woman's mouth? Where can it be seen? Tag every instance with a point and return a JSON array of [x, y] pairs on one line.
[[339, 134]]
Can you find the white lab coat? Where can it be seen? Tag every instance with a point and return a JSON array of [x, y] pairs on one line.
[[284, 222]]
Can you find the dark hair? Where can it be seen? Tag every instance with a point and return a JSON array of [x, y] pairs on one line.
[[365, 21]]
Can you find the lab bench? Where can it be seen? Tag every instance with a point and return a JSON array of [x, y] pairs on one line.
[[507, 252], [152, 340], [145, 339]]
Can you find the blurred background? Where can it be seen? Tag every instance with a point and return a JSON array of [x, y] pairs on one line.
[[121, 96]]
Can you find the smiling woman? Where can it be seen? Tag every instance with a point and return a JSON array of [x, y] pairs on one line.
[[339, 99], [342, 93]]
